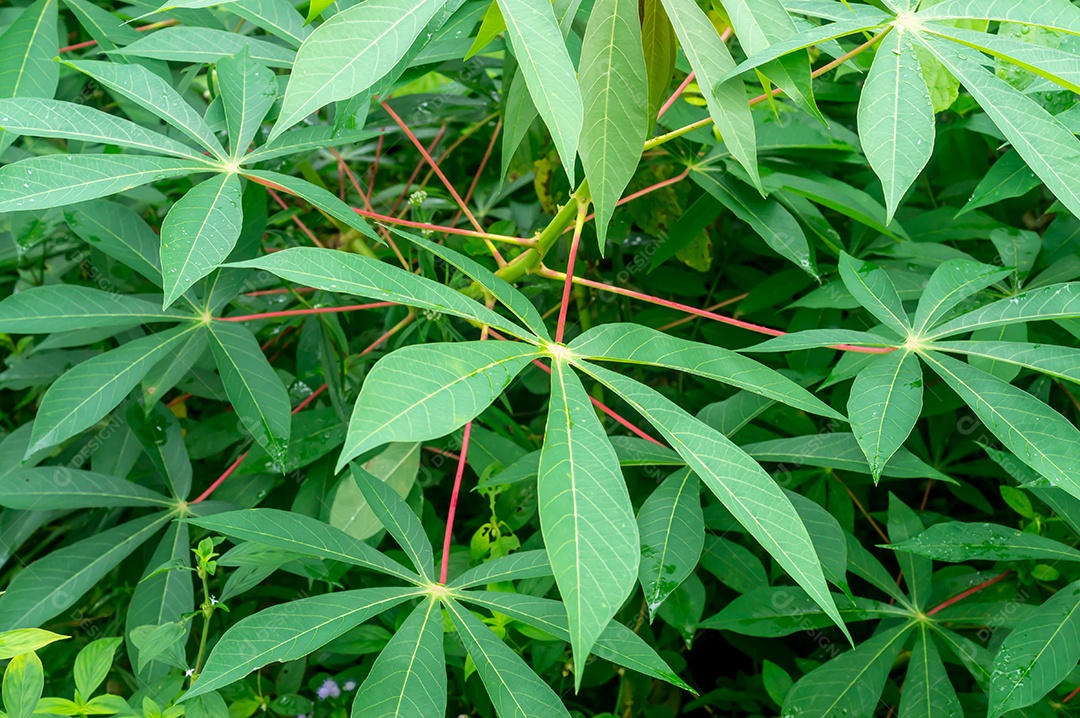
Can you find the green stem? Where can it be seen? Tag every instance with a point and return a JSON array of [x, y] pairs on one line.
[[528, 261], [207, 611]]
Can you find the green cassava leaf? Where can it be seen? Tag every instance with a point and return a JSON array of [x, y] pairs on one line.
[[885, 403], [928, 692], [873, 289], [58, 487], [1057, 301], [399, 520], [672, 532], [1052, 14], [585, 513], [523, 564], [26, 62], [904, 524], [118, 231], [59, 307], [964, 541], [951, 283], [204, 44], [1059, 362], [248, 90]]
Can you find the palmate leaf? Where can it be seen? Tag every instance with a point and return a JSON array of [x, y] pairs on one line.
[[58, 487], [348, 53], [838, 450], [1047, 147], [144, 88], [291, 630], [813, 338], [850, 684], [199, 232], [118, 231], [163, 597], [829, 540], [896, 118], [776, 611], [903, 523], [37, 117], [617, 643], [742, 486], [1008, 177], [672, 531], [1057, 301], [248, 91], [1038, 654], [715, 70], [1052, 14], [1058, 362], [548, 72], [964, 541], [614, 88], [303, 535], [854, 22], [515, 690], [204, 44], [928, 693], [87, 392], [319, 197], [398, 519], [1039, 436], [397, 466], [952, 282], [58, 180], [585, 514], [408, 679], [53, 584], [277, 17], [352, 274], [884, 404], [521, 564], [426, 391], [660, 53], [875, 291], [26, 61], [64, 307], [636, 344], [257, 394]]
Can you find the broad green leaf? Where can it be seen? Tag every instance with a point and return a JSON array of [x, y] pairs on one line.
[[839, 196], [289, 631], [305, 139], [204, 44], [319, 197], [1038, 654], [64, 307], [617, 643], [18, 641], [724, 93], [348, 53], [51, 585], [659, 46], [510, 297], [1052, 14], [766, 216], [399, 520], [515, 690], [303, 535], [1050, 63], [637, 344], [491, 27], [151, 92], [163, 597], [87, 392], [672, 533], [524, 564], [167, 373], [58, 487], [966, 541], [614, 90], [1059, 362], [734, 564], [742, 486], [928, 693], [108, 29], [37, 117], [93, 663], [851, 683], [408, 679], [118, 231], [1039, 436], [1057, 301], [248, 91], [277, 17], [904, 524], [864, 565], [256, 392], [1017, 248], [776, 611], [896, 118], [813, 338], [828, 537], [585, 513], [27, 68], [1047, 147], [24, 680], [159, 432], [977, 659], [873, 289], [838, 450], [335, 271], [545, 65], [952, 282], [426, 391], [884, 404], [1008, 177], [857, 23], [397, 466], [685, 607], [199, 232], [39, 183]]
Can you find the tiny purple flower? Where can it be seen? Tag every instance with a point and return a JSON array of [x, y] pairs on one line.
[[349, 685], [329, 689]]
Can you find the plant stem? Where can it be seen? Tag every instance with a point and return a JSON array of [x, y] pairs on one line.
[[970, 591], [207, 612], [444, 229], [530, 260], [303, 312], [582, 208], [448, 537]]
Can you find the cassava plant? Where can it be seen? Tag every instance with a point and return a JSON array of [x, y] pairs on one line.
[[313, 407]]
